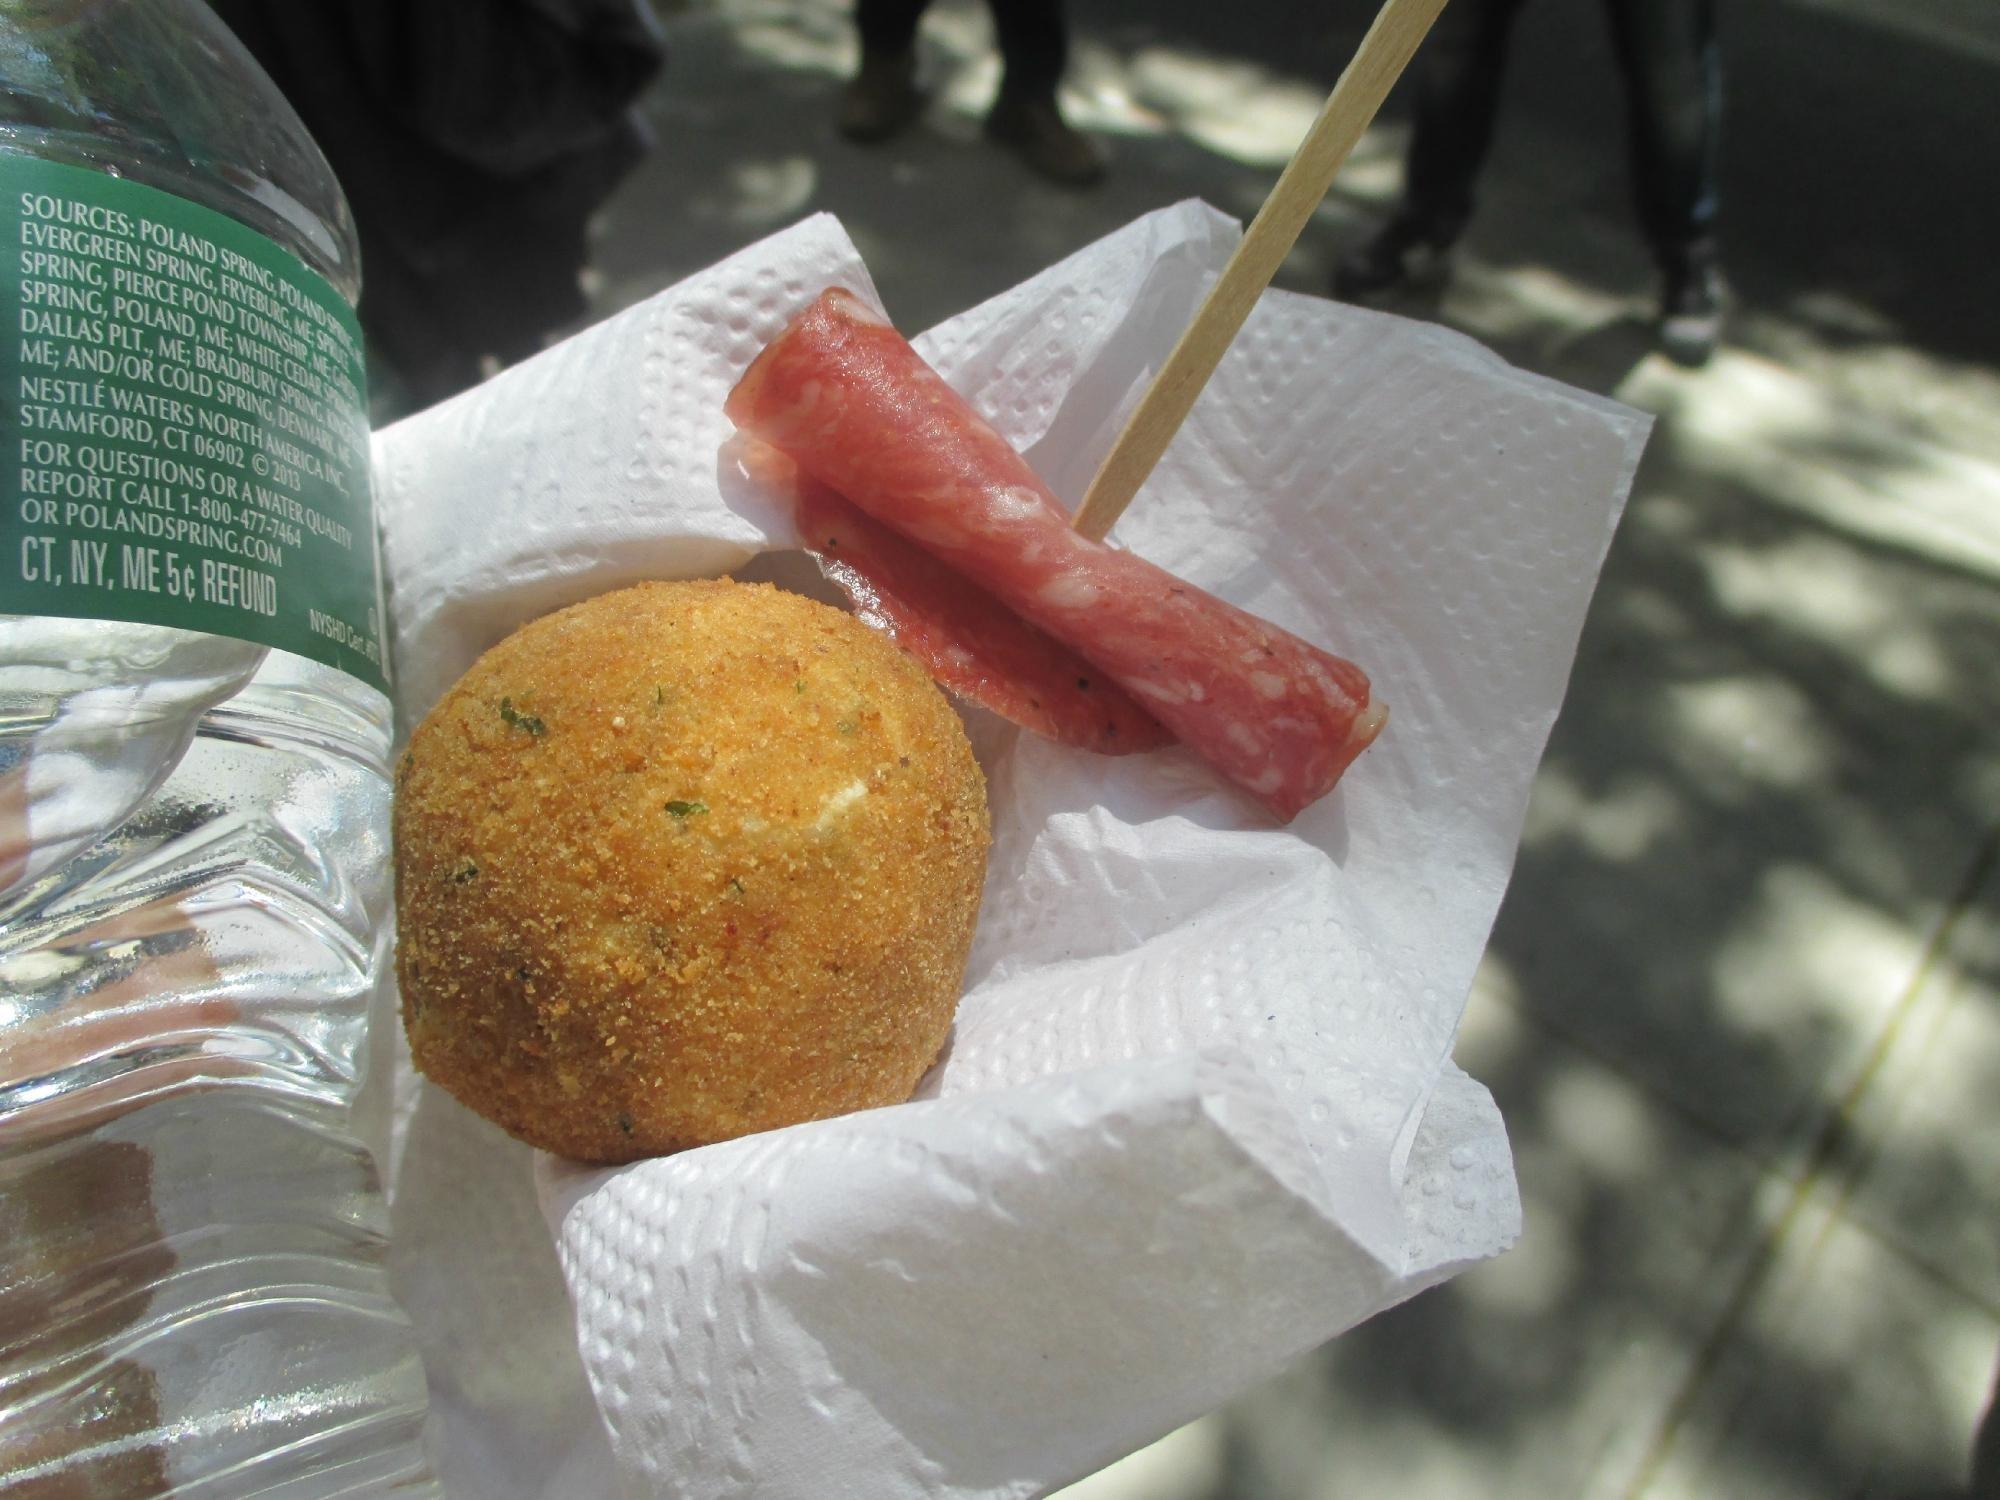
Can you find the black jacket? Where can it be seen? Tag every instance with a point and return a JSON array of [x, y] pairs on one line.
[[474, 139]]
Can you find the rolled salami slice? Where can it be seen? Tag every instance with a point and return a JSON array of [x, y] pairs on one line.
[[844, 396], [966, 639]]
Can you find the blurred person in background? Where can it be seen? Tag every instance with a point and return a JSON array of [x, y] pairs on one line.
[[474, 139], [883, 96], [1666, 52]]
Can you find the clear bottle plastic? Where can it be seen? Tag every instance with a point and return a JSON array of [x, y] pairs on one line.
[[194, 883]]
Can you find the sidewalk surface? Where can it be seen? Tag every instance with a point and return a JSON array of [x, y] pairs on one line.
[[1742, 1007]]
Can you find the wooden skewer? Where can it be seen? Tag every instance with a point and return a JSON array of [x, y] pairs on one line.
[[1378, 62]]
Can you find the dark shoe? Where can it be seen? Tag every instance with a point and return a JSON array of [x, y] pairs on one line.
[[882, 98], [1035, 131], [1691, 315], [1406, 254]]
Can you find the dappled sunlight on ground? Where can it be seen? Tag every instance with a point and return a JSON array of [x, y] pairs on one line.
[[1236, 109], [1848, 462], [1822, 588], [1621, 822]]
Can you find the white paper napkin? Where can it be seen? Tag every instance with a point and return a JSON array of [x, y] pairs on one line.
[[1198, 1114]]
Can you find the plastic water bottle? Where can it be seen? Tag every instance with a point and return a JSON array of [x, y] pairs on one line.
[[194, 798]]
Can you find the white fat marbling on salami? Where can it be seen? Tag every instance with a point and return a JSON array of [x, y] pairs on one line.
[[1269, 685], [1067, 592], [1159, 692], [1014, 502]]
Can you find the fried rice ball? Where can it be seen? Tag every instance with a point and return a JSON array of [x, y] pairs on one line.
[[684, 862]]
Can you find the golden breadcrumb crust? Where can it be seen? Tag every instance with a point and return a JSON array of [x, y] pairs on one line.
[[684, 862]]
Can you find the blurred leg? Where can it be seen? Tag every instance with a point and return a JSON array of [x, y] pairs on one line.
[[1667, 52], [888, 27], [1673, 96], [883, 96], [1456, 75], [1034, 47]]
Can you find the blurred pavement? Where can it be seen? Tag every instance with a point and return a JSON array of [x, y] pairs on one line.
[[1742, 1007]]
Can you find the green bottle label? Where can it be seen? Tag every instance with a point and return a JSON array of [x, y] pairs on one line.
[[185, 424]]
